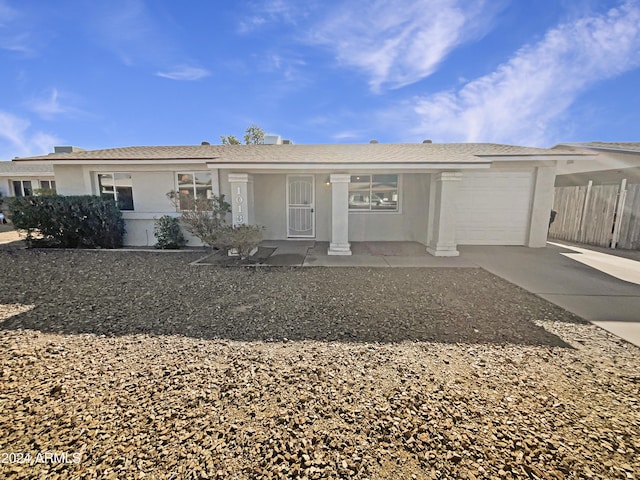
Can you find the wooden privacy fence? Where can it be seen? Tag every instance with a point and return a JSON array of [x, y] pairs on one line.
[[603, 215]]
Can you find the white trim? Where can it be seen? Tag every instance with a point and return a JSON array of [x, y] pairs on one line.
[[350, 166], [313, 205], [127, 162]]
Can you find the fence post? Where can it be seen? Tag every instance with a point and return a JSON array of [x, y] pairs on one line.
[[618, 213], [581, 229]]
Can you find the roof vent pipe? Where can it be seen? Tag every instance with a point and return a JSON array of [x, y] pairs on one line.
[[373, 141], [427, 141]]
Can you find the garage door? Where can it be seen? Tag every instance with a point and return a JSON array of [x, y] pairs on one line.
[[493, 208]]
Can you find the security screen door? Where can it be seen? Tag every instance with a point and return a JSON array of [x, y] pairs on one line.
[[300, 206]]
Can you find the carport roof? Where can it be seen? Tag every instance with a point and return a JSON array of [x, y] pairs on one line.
[[400, 153]]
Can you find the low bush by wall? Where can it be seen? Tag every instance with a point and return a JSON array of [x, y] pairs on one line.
[[68, 222]]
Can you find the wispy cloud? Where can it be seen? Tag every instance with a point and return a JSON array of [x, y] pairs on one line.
[[17, 138], [401, 42], [49, 106], [288, 66], [525, 98], [13, 37], [347, 135], [125, 27], [268, 12], [139, 38], [185, 73], [7, 13]]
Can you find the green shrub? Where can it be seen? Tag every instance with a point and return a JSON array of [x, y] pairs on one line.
[[168, 232], [68, 222], [241, 238]]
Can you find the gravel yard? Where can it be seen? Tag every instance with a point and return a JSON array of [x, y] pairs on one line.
[[138, 365]]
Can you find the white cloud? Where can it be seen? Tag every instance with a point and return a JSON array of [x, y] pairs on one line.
[[6, 13], [13, 37], [16, 139], [50, 107], [184, 73], [347, 135], [268, 12], [528, 95], [401, 42]]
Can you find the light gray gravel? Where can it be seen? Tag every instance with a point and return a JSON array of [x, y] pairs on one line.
[[146, 367]]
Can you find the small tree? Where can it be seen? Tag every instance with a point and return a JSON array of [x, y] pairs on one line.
[[202, 217], [205, 218], [253, 135], [229, 140]]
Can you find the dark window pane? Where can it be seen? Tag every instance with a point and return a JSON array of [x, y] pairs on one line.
[[360, 192], [17, 188], [384, 192], [124, 191], [125, 198], [28, 189]]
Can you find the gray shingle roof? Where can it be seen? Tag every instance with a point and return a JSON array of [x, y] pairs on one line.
[[330, 153]]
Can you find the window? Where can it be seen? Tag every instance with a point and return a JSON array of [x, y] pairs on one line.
[[22, 188], [118, 187], [192, 186], [373, 193], [48, 184]]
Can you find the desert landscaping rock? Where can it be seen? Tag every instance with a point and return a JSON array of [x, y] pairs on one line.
[[145, 367]]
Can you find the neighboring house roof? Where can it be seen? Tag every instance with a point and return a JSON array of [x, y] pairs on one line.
[[630, 147], [9, 169], [432, 153]]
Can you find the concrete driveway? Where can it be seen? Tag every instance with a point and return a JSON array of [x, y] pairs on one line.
[[601, 288]]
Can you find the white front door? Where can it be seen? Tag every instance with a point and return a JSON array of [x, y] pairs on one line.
[[300, 206]]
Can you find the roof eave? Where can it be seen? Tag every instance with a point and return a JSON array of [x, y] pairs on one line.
[[350, 165]]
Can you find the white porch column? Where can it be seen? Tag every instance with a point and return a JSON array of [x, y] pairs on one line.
[[541, 205], [241, 198], [339, 244], [442, 237]]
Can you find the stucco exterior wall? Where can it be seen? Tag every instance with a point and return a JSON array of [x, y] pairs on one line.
[[410, 223], [71, 180], [270, 204], [149, 194]]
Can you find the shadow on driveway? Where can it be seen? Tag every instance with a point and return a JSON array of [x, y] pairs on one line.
[[123, 293]]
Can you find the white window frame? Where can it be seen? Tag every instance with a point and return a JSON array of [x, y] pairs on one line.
[[13, 187], [369, 211], [115, 187], [193, 175], [52, 184]]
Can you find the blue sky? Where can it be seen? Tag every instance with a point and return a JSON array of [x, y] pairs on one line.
[[109, 73]]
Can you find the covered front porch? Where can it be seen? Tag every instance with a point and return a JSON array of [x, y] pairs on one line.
[[334, 211]]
